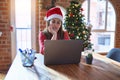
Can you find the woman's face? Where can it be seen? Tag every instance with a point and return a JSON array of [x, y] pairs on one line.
[[55, 23]]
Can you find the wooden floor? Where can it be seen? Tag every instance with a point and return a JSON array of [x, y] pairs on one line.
[[2, 76]]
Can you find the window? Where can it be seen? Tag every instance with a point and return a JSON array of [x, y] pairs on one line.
[[101, 14], [23, 22], [104, 40]]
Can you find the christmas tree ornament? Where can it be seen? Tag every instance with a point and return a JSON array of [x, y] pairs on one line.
[[76, 5], [83, 32], [77, 37], [81, 9], [69, 10], [71, 15]]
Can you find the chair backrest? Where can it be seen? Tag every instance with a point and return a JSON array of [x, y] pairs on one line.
[[114, 54]]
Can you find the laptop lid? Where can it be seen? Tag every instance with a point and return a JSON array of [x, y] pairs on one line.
[[62, 52]]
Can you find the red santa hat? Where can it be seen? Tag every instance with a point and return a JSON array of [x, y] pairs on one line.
[[54, 13]]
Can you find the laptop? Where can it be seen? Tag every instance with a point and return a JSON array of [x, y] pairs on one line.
[[62, 52]]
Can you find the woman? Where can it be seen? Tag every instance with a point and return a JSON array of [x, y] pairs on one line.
[[53, 29]]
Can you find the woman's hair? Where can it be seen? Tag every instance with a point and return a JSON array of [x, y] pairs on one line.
[[60, 33]]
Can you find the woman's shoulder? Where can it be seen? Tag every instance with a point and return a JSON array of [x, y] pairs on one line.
[[41, 34], [65, 32], [66, 35], [46, 34]]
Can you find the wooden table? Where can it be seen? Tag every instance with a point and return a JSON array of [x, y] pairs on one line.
[[101, 69]]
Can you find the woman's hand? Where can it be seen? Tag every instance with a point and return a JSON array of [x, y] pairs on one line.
[[52, 30]]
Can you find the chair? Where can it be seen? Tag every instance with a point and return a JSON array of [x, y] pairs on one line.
[[114, 54]]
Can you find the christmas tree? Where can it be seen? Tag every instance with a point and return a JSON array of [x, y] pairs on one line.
[[75, 24]]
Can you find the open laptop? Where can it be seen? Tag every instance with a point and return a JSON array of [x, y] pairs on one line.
[[62, 52]]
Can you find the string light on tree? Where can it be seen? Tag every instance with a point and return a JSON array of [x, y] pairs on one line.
[[75, 23]]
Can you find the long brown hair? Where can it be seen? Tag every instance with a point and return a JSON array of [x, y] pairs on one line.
[[60, 33]]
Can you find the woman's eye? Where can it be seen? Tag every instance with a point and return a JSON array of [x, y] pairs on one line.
[[53, 21], [58, 22]]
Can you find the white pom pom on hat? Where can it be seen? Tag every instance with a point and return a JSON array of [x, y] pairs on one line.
[[54, 12]]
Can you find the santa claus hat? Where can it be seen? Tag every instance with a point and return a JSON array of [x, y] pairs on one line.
[[54, 13]]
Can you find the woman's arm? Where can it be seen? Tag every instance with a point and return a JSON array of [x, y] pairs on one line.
[[42, 37], [66, 36]]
